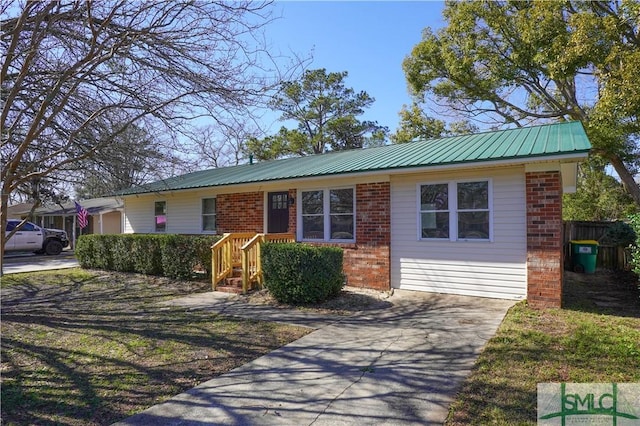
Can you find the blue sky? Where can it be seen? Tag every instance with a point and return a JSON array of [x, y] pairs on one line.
[[367, 39]]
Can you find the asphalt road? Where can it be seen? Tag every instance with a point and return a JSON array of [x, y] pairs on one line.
[[14, 263]]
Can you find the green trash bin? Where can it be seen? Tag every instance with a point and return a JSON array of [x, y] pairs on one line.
[[584, 254]]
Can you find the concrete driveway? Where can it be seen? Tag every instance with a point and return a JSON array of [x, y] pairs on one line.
[[398, 365], [14, 263]]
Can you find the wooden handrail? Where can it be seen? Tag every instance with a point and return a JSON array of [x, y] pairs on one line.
[[220, 267], [280, 238], [242, 250], [252, 257], [251, 267]]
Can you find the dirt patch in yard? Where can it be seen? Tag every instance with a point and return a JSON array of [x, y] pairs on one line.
[[609, 292], [350, 300]]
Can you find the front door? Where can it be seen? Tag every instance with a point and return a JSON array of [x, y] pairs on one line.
[[278, 213]]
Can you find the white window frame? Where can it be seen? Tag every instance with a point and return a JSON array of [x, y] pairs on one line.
[[166, 216], [326, 214], [203, 214], [420, 211], [453, 210]]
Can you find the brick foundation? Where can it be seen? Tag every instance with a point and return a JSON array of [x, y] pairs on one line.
[[544, 239]]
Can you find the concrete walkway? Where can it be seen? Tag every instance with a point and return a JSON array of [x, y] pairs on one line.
[[15, 263], [399, 365]]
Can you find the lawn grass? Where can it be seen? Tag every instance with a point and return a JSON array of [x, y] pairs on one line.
[[595, 338], [91, 348]]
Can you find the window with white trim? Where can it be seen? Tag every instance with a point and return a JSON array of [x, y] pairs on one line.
[[160, 216], [434, 211], [208, 215], [473, 210], [455, 210], [328, 214]]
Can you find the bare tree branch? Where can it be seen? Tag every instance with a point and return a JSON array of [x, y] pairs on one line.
[[76, 75]]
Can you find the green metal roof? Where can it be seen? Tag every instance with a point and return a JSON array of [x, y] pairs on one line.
[[521, 144]]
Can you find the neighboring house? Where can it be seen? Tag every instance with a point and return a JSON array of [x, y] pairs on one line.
[[19, 211], [476, 215], [105, 216]]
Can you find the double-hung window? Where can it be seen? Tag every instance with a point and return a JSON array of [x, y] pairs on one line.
[[434, 211], [160, 216], [313, 215], [208, 215], [455, 211], [473, 210], [328, 214]]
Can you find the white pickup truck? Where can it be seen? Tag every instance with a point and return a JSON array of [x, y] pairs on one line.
[[33, 238]]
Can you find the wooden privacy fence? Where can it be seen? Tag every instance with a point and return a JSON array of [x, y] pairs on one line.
[[609, 256]]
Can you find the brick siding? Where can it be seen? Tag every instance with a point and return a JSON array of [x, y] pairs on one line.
[[293, 213], [242, 212], [544, 239], [367, 263]]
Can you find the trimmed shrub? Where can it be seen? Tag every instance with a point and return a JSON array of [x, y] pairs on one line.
[[103, 258], [84, 251], [146, 254], [121, 254], [178, 256], [170, 255], [302, 274], [203, 252]]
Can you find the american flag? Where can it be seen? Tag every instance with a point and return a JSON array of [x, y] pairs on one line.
[[83, 216]]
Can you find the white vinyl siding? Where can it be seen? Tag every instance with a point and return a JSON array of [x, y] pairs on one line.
[[495, 268], [184, 213]]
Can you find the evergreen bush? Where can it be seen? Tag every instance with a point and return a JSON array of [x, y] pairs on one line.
[[170, 255], [84, 251], [146, 254], [302, 274], [619, 234], [634, 221], [178, 256], [121, 254]]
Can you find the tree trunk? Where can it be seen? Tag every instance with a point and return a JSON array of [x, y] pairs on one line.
[[4, 204], [626, 177]]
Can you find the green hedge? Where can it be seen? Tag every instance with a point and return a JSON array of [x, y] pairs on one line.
[[302, 274], [634, 221], [170, 255]]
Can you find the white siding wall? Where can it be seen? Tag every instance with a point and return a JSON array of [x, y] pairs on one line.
[[491, 269], [183, 212]]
